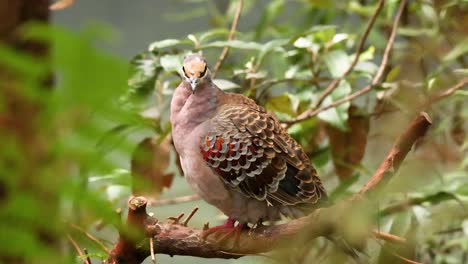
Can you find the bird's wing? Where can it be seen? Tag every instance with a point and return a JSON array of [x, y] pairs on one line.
[[251, 152]]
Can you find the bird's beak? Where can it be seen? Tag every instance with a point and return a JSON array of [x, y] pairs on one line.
[[193, 83]]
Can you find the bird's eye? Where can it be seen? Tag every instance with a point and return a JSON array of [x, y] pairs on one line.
[[203, 72], [183, 69]]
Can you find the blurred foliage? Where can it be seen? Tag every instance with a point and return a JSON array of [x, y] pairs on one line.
[[284, 62]]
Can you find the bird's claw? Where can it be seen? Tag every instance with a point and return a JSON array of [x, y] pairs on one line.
[[228, 230]]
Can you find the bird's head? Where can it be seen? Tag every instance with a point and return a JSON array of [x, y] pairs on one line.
[[195, 70]]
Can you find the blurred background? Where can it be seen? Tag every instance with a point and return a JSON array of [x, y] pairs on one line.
[[84, 121], [138, 24]]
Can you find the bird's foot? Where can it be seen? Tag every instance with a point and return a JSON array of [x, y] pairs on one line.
[[227, 230], [257, 225]]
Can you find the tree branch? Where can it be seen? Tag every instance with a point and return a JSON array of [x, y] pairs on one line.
[[359, 48], [441, 95], [400, 149], [173, 238], [388, 237], [376, 80], [176, 200], [225, 51], [404, 205], [81, 254]]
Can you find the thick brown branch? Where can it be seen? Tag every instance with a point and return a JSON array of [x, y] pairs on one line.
[[416, 130], [225, 51], [177, 239], [375, 81]]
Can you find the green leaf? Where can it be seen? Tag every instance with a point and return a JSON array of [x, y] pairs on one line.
[[225, 84], [314, 36], [271, 46], [235, 44], [367, 67], [343, 186], [337, 38], [171, 63], [324, 34], [209, 35], [461, 92], [366, 55], [272, 10], [322, 3], [146, 69], [163, 44], [391, 76], [285, 103], [416, 32], [463, 189], [256, 75], [80, 84], [365, 10], [194, 39], [401, 224], [115, 177], [337, 116], [303, 42], [294, 101], [459, 50], [321, 28], [465, 227], [307, 43], [337, 62], [461, 72]]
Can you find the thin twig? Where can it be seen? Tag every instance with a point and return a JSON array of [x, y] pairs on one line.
[[462, 83], [403, 205], [407, 260], [359, 49], [176, 219], [376, 80], [91, 237], [177, 200], [78, 249], [153, 257], [88, 259], [225, 51], [392, 251], [185, 223], [267, 84], [449, 231], [388, 237]]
